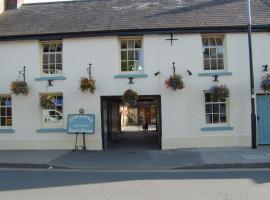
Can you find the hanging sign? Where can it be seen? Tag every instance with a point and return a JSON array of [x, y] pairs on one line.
[[81, 123]]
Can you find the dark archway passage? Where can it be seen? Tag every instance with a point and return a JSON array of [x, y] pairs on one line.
[[136, 127]]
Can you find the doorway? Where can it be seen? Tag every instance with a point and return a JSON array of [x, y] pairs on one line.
[[263, 117], [136, 127]]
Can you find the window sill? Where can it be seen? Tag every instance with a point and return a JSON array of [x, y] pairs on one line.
[[218, 128], [52, 78], [215, 74], [7, 130], [51, 130], [130, 76]]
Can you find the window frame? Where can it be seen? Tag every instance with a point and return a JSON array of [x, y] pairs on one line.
[[227, 104], [225, 68], [6, 116], [48, 125], [120, 39], [49, 42]]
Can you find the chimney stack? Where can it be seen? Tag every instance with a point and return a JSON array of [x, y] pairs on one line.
[[10, 5]]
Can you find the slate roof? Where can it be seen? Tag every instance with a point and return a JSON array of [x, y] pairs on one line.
[[115, 15]]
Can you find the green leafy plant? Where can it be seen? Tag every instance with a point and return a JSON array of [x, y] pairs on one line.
[[130, 97], [219, 92], [87, 84], [175, 82], [19, 87], [47, 102]]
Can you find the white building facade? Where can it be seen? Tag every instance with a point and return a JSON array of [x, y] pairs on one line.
[[188, 119]]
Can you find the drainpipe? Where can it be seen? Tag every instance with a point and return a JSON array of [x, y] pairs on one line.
[[253, 112]]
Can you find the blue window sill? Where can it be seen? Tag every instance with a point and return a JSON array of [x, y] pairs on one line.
[[52, 130], [52, 78], [220, 128], [7, 130], [215, 73], [130, 76]]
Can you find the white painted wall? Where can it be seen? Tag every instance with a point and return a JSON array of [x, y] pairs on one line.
[[2, 6], [182, 111]]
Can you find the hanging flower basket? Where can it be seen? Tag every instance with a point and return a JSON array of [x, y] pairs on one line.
[[175, 82], [265, 84], [130, 97], [88, 85], [219, 92], [47, 102], [19, 87]]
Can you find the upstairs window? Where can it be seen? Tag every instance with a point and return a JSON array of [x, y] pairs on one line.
[[5, 111], [52, 57], [215, 110], [213, 52], [131, 55]]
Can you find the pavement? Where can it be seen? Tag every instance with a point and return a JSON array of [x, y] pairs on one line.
[[134, 159]]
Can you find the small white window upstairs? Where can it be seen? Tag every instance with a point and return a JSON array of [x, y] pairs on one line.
[[52, 58], [131, 55], [213, 52]]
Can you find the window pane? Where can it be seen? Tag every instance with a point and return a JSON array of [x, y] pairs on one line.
[[208, 108], [205, 42], [138, 55], [220, 52], [59, 48], [206, 53], [3, 121], [45, 69], [223, 118], [123, 66], [45, 48], [8, 101], [3, 112], [131, 66], [131, 44], [9, 113], [123, 55], [52, 47], [207, 97], [123, 44], [9, 121], [207, 64], [212, 41], [45, 59], [220, 64], [52, 69], [215, 108], [58, 58], [52, 58], [215, 118], [137, 44], [59, 68], [214, 64], [131, 55], [209, 118], [219, 41], [213, 53], [222, 108]]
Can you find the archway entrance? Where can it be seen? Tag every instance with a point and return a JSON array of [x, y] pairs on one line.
[[136, 127]]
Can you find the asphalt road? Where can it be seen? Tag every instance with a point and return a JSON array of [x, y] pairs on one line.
[[22, 184]]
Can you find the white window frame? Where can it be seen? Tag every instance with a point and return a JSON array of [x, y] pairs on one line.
[[53, 42], [44, 113], [227, 123], [223, 36], [134, 49], [5, 106]]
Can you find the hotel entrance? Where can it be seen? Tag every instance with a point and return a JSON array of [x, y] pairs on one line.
[[138, 126]]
